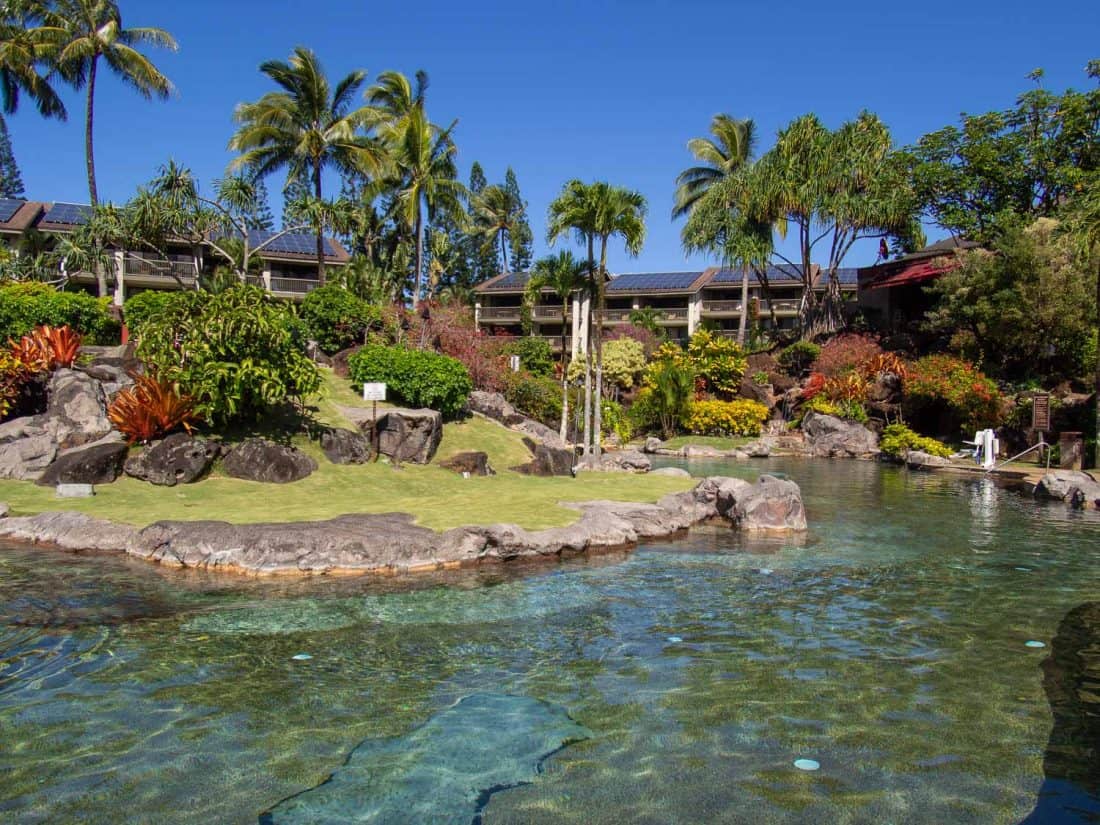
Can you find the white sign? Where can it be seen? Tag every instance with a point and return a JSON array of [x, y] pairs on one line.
[[374, 392], [513, 361]]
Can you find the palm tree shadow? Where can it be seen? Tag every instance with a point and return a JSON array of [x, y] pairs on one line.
[[1070, 792]]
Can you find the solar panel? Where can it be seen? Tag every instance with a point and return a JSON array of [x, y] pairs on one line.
[[514, 280], [292, 243], [69, 213], [848, 275], [775, 275], [8, 208], [653, 282]]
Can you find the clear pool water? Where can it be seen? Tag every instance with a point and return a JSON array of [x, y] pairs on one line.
[[680, 683]]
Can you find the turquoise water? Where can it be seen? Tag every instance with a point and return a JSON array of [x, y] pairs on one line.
[[679, 683]]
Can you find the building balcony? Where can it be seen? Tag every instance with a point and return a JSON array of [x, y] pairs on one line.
[[617, 316], [500, 314], [293, 287], [547, 312], [176, 270], [673, 317], [721, 308]]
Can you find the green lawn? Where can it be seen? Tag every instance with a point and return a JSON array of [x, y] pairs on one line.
[[440, 499], [707, 441]]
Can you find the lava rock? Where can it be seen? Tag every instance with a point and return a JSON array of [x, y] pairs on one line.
[[494, 405], [918, 459], [757, 449], [625, 461], [177, 459], [832, 437], [1074, 487], [342, 446], [671, 472], [257, 459], [474, 463], [410, 435], [652, 444], [548, 460], [97, 463], [771, 504], [340, 361]]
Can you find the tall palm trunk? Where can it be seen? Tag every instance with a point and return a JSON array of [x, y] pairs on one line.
[[89, 159], [419, 229], [586, 424], [503, 252], [320, 225], [597, 407], [564, 379], [744, 305]]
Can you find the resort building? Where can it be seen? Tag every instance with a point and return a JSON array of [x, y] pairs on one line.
[[892, 294], [680, 302], [288, 264]]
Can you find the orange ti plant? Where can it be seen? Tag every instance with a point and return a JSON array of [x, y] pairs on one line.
[[150, 409], [47, 348]]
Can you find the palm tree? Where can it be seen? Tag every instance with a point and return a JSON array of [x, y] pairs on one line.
[[598, 211], [726, 155], [423, 155], [306, 127], [23, 47], [733, 146], [497, 214], [86, 32], [564, 275]]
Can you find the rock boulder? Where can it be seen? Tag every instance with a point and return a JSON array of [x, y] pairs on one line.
[[410, 435], [652, 445], [474, 463], [342, 446], [257, 459], [1074, 487], [494, 405], [548, 460], [832, 437], [918, 459], [771, 504], [177, 459], [98, 463]]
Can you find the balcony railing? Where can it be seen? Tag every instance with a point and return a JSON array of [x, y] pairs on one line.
[[720, 307], [294, 286], [174, 268], [672, 316], [617, 316], [499, 314], [547, 311]]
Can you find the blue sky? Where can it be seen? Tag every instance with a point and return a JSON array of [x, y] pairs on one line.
[[589, 90]]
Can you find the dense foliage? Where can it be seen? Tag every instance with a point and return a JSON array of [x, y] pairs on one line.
[[1025, 308], [419, 378], [844, 353], [535, 354], [336, 319], [24, 306], [719, 361], [798, 357], [537, 396], [237, 353], [897, 440], [142, 307], [726, 418], [954, 391]]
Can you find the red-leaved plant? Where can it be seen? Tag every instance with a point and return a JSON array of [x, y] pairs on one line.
[[150, 409], [47, 347]]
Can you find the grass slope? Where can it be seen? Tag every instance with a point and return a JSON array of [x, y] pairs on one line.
[[439, 499]]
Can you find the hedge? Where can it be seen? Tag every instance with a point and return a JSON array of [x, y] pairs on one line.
[[414, 377]]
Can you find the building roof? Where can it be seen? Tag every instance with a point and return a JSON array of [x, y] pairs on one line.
[[917, 267], [775, 274], [18, 215], [505, 282]]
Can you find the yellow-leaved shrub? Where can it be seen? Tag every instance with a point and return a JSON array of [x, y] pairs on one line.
[[727, 418]]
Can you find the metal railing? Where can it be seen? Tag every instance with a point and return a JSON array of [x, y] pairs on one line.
[[672, 315], [617, 316], [295, 286], [499, 314], [721, 306], [173, 268], [548, 311]]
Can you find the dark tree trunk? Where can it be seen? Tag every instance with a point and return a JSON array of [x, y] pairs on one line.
[[419, 255], [89, 155]]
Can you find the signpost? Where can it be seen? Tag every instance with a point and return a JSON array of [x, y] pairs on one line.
[[374, 392], [1040, 419]]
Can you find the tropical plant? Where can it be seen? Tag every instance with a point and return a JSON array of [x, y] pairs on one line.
[[953, 391], [598, 211], [336, 319], [798, 357], [24, 48], [720, 362], [845, 353], [422, 157], [534, 354], [304, 128], [897, 440], [24, 306], [496, 216], [52, 347], [536, 396], [88, 33], [564, 276], [151, 409], [671, 388], [741, 417], [238, 353], [725, 230], [419, 378]]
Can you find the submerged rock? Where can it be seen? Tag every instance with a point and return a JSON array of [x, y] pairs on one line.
[[444, 771], [771, 504], [673, 472], [918, 459], [1076, 488], [256, 459], [177, 459]]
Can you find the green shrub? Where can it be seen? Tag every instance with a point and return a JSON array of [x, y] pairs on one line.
[[336, 319], [623, 361], [536, 396], [798, 357], [414, 377], [535, 354], [139, 309], [719, 361], [237, 353], [726, 418], [897, 440], [614, 420], [24, 306]]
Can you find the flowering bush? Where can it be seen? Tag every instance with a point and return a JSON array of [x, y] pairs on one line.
[[846, 353], [948, 384], [727, 418], [897, 440]]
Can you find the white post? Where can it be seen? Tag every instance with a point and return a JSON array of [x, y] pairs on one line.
[[120, 278]]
